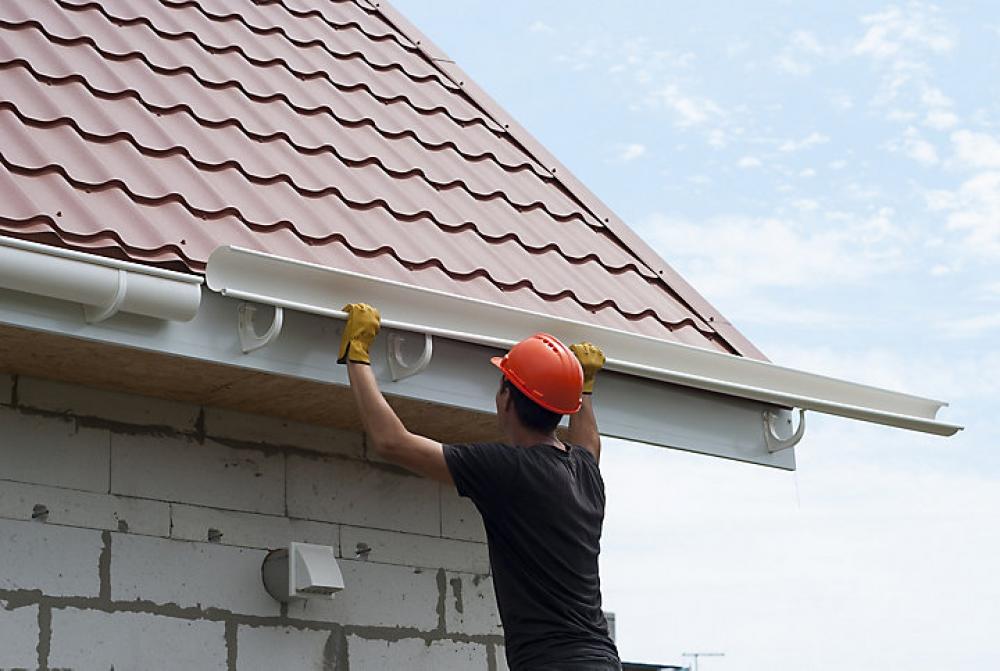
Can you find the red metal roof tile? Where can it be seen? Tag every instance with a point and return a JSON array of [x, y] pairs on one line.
[[314, 130]]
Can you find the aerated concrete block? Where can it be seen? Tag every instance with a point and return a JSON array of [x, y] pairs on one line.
[[18, 636], [377, 595], [271, 648], [84, 640], [395, 547], [59, 561], [414, 654], [361, 494], [211, 474], [500, 654], [248, 529], [73, 508], [252, 428], [200, 575], [470, 606], [53, 451], [106, 405], [459, 517]]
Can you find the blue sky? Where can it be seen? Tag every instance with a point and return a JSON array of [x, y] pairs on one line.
[[828, 175]]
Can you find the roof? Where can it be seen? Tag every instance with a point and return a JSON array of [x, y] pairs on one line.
[[325, 131]]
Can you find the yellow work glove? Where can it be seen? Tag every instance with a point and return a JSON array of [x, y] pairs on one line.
[[592, 360], [362, 326]]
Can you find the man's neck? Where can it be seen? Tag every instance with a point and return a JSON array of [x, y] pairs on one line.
[[524, 437]]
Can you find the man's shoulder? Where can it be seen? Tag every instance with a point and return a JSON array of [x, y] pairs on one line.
[[485, 451], [481, 446]]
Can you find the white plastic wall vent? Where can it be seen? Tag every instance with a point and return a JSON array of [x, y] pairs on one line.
[[302, 571], [272, 280], [102, 286]]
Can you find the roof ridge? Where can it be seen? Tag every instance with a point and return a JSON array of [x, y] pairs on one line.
[[672, 280]]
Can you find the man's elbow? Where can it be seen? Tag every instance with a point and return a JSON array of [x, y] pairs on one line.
[[388, 445]]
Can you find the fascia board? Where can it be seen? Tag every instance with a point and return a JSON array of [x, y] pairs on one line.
[[459, 374], [269, 279]]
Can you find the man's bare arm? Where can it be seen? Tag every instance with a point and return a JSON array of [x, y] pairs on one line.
[[583, 429], [386, 433]]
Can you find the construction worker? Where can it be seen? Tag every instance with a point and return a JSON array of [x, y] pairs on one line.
[[542, 500]]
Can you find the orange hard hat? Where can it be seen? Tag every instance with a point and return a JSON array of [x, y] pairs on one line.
[[546, 371]]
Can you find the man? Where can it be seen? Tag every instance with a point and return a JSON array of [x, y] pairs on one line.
[[542, 501]]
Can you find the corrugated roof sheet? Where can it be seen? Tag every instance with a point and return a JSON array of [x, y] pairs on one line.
[[313, 129]]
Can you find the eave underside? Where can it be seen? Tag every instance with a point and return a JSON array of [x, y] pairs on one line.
[[297, 377]]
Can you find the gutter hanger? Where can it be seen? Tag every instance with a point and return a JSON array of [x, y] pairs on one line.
[[103, 286], [281, 282]]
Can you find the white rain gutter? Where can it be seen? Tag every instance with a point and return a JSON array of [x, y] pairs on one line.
[[273, 280], [103, 286]]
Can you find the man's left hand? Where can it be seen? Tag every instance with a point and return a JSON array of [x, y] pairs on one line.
[[592, 360]]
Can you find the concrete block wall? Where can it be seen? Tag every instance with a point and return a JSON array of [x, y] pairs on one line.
[[132, 532]]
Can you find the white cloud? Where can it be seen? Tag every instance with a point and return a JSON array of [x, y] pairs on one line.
[[811, 140], [805, 41], [749, 162], [687, 110], [971, 327], [922, 151], [630, 152], [796, 57], [940, 119], [807, 173], [717, 138], [976, 150], [582, 55], [939, 110], [900, 43], [892, 32], [540, 27], [914, 146], [974, 211], [732, 257]]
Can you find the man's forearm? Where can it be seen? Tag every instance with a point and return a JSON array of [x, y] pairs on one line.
[[583, 428], [381, 424]]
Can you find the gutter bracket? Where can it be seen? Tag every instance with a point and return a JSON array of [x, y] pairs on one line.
[[775, 444], [399, 368], [249, 340], [96, 313]]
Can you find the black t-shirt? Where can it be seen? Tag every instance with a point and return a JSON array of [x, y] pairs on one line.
[[543, 509]]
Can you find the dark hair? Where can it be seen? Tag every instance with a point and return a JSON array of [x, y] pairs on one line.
[[530, 413]]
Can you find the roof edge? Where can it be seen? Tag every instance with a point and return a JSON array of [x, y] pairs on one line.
[[684, 290]]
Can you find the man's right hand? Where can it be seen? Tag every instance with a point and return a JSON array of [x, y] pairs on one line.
[[592, 360], [362, 326]]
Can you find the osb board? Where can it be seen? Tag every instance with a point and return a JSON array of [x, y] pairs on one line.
[[104, 366]]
